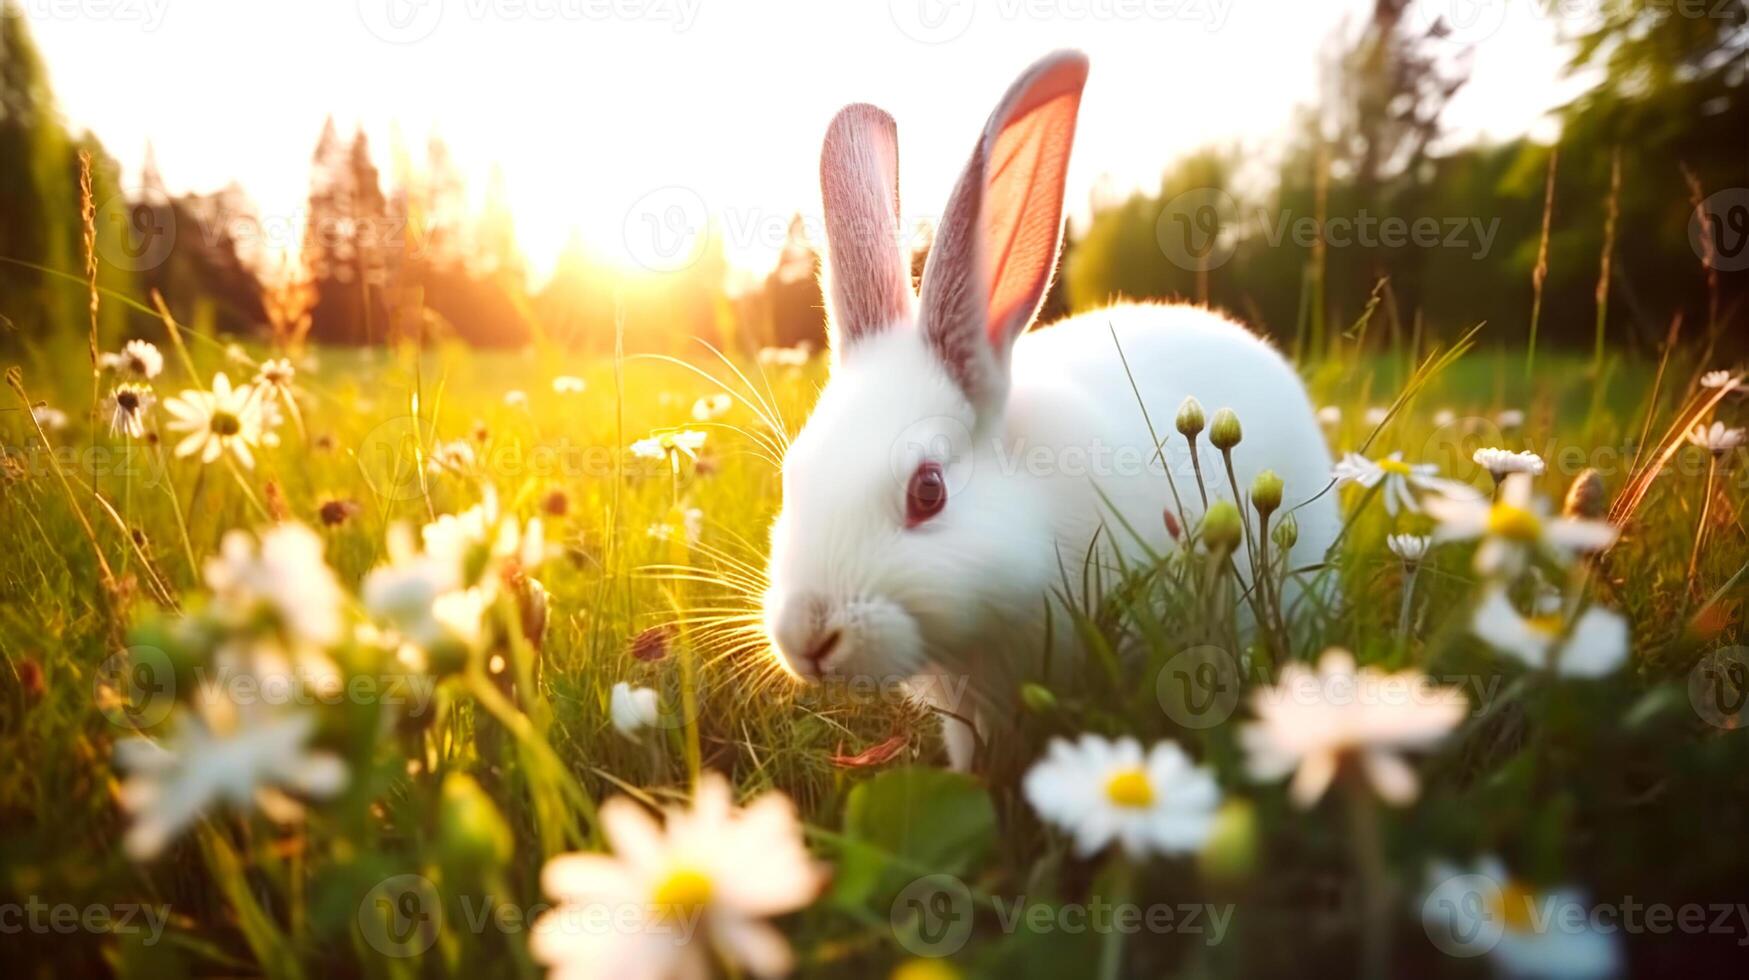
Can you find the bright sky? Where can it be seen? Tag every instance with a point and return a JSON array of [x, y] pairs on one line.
[[601, 112]]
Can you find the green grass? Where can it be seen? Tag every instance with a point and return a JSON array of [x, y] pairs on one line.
[[1617, 785]]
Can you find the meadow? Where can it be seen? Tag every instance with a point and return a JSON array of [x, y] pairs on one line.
[[381, 739]]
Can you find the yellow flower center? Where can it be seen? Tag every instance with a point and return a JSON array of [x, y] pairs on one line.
[[1546, 626], [1395, 466], [226, 424], [1130, 788], [685, 890], [1514, 523], [1516, 902]]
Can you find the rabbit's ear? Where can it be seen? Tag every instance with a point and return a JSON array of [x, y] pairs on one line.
[[868, 280], [997, 244]]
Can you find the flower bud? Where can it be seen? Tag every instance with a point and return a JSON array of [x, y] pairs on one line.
[[1230, 852], [1286, 533], [1222, 527], [1224, 432], [1190, 420], [1038, 699], [1266, 492], [470, 828], [1585, 498]]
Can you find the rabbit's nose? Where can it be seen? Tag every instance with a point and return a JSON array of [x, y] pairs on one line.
[[805, 635]]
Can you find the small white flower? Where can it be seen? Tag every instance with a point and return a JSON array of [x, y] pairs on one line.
[[1510, 418], [1377, 414], [679, 895], [49, 417], [1444, 417], [791, 357], [223, 419], [690, 527], [1411, 548], [139, 358], [1716, 439], [287, 576], [170, 785], [456, 456], [1515, 527], [1525, 933], [1103, 791], [1401, 480], [667, 444], [711, 407], [566, 384], [276, 375], [516, 398], [633, 709], [1500, 462], [1596, 646], [1308, 723], [1330, 415], [1720, 379], [128, 404]]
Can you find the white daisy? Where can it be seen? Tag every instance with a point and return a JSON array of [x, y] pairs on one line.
[[1510, 418], [169, 785], [1102, 791], [1597, 644], [1310, 723], [1401, 480], [1525, 933], [456, 456], [1515, 527], [1720, 379], [633, 709], [223, 419], [1330, 415], [1411, 548], [566, 384], [49, 417], [276, 375], [128, 404], [667, 444], [286, 576], [711, 407], [139, 358], [1716, 439], [1500, 462], [704, 883]]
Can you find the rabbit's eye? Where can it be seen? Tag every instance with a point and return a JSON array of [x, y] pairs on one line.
[[926, 495]]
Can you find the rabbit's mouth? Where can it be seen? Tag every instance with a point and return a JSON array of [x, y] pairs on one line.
[[817, 636]]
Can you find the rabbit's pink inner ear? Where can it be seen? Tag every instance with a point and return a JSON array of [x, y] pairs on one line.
[[1026, 160], [869, 283]]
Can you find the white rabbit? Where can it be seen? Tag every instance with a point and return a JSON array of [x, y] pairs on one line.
[[953, 469]]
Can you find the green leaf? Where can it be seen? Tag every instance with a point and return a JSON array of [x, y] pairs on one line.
[[911, 822]]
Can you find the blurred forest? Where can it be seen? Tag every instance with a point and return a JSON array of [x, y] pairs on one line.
[[403, 256]]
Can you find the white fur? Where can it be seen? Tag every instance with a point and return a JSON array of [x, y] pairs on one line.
[[966, 592]]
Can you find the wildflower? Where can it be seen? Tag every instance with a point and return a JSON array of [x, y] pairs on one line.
[[711, 407], [477, 541], [1720, 379], [128, 404], [1102, 791], [1330, 415], [516, 398], [1444, 417], [1501, 462], [1286, 533], [49, 417], [670, 444], [1376, 415], [1510, 418], [286, 576], [1310, 723], [336, 512], [223, 419], [1596, 645], [170, 785], [1221, 527], [1190, 418], [1400, 480], [556, 504], [1716, 439], [633, 709], [682, 525], [790, 357], [566, 384], [235, 353], [684, 894], [1525, 933], [139, 358], [453, 457], [1515, 527], [1411, 548], [276, 375], [1266, 492], [1224, 431]]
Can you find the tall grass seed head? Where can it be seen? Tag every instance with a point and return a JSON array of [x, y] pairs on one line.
[[1585, 498]]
